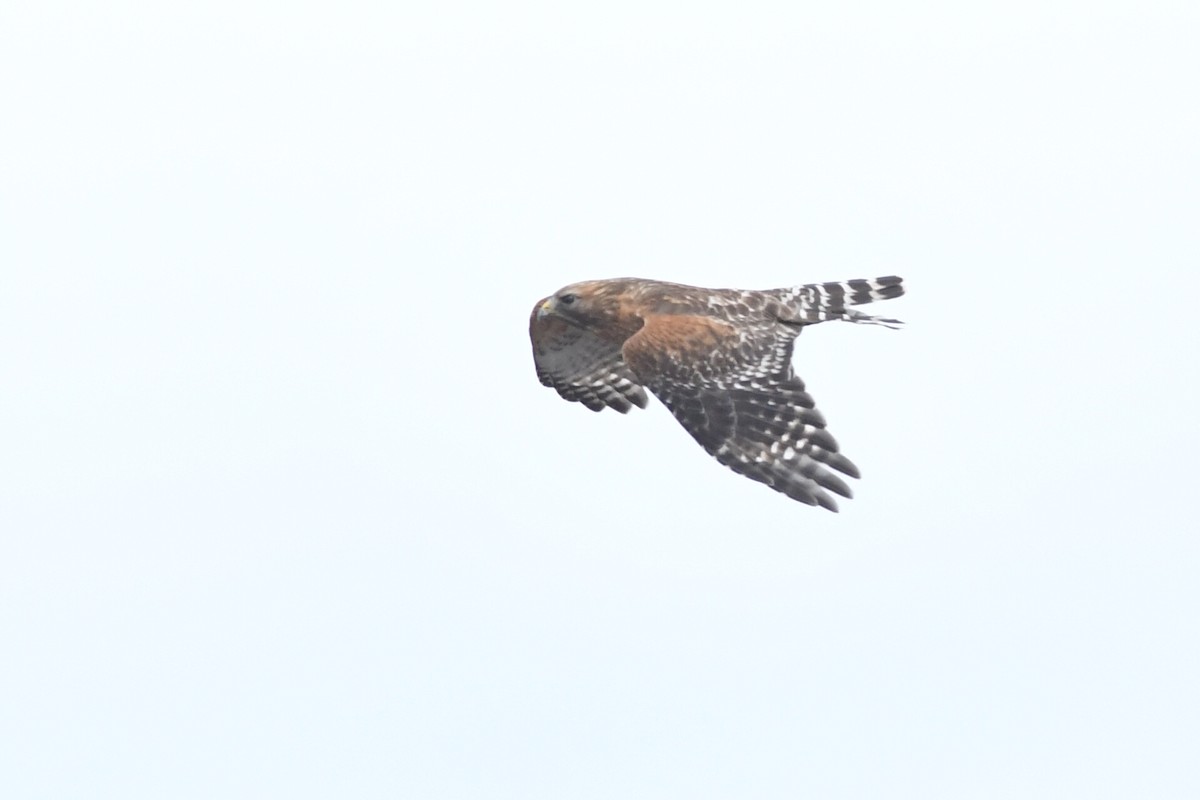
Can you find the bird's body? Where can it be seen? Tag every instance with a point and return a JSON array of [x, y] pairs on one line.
[[719, 359]]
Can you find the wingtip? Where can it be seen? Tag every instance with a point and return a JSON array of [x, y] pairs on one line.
[[825, 501]]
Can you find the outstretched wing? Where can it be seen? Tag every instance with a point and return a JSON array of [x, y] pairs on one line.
[[731, 385], [581, 366]]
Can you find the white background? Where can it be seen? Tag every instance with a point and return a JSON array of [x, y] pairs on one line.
[[285, 513]]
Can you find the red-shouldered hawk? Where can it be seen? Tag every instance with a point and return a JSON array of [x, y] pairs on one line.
[[719, 359]]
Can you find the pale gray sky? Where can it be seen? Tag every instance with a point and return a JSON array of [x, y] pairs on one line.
[[284, 511]]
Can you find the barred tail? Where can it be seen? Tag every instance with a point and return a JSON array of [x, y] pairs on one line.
[[819, 302]]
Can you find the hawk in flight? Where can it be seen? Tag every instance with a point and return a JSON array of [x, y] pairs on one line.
[[719, 359]]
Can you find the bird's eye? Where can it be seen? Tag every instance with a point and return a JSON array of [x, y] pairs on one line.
[[566, 299]]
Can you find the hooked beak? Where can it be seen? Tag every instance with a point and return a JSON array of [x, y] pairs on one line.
[[545, 308]]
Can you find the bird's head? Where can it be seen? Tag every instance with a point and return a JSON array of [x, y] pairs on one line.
[[584, 304], [565, 303], [603, 307]]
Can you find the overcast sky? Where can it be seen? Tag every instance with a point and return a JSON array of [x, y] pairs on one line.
[[284, 511]]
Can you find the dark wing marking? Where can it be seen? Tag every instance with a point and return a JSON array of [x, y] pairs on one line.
[[733, 389], [581, 366]]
